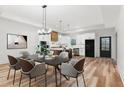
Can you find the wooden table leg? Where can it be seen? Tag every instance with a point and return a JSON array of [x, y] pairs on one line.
[[56, 76]]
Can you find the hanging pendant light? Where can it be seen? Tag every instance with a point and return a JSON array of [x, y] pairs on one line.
[[44, 30]]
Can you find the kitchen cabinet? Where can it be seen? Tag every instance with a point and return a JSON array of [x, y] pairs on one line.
[[54, 36]]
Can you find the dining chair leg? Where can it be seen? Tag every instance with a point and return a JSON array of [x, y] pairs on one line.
[[29, 81], [56, 76], [45, 79], [8, 73], [35, 79], [83, 80], [60, 78], [14, 77], [77, 80], [20, 80]]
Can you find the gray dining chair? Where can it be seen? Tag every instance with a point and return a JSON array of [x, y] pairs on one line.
[[32, 71], [27, 55], [62, 58], [57, 61], [14, 65], [24, 54], [73, 70]]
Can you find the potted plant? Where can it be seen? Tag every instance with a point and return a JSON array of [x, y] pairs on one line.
[[44, 50]]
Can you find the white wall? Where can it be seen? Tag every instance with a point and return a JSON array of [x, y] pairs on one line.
[[120, 43], [102, 33], [9, 26]]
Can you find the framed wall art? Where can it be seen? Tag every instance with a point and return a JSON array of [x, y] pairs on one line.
[[15, 41]]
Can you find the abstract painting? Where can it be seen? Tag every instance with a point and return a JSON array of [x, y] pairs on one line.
[[15, 41]]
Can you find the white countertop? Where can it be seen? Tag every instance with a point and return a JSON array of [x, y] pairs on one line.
[[56, 48]]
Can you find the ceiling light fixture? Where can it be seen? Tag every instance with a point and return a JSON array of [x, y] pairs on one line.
[[44, 30]]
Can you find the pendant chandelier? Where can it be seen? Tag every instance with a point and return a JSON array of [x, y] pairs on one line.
[[44, 30]]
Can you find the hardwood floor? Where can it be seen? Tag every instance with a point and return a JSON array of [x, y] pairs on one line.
[[98, 72]]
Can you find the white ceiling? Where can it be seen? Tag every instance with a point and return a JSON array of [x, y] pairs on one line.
[[79, 17]]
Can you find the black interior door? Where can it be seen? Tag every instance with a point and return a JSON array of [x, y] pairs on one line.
[[105, 46], [89, 48]]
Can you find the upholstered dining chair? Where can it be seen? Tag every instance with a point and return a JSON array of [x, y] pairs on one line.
[[32, 71], [62, 58], [73, 70], [13, 64], [24, 54], [27, 55], [57, 61]]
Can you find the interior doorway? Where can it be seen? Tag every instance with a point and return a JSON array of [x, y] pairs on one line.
[[105, 46], [89, 48]]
